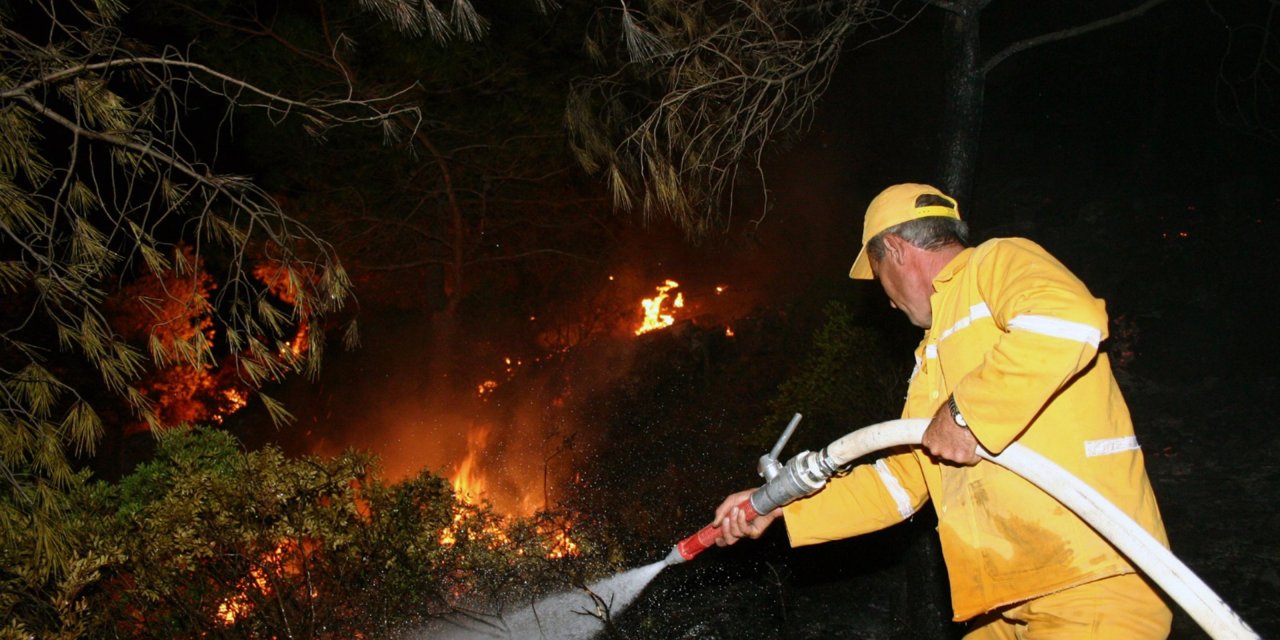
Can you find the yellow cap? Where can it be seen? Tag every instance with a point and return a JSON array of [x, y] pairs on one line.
[[895, 205]]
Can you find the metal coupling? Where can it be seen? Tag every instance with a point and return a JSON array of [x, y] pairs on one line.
[[803, 475]]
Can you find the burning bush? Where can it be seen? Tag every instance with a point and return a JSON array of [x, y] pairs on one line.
[[211, 541]]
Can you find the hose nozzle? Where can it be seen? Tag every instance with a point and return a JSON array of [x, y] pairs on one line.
[[802, 476], [675, 557]]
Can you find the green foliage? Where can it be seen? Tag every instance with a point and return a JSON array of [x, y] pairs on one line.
[[210, 540], [848, 380]]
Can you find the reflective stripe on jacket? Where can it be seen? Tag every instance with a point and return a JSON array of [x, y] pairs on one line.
[[1015, 338]]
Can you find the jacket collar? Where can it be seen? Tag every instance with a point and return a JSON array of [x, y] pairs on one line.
[[952, 268]]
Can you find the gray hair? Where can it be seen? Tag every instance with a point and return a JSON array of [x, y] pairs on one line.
[[928, 233]]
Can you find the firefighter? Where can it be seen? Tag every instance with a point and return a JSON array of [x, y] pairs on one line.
[[1010, 354]]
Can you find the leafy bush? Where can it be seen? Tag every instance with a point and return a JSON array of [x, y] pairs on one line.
[[210, 541]]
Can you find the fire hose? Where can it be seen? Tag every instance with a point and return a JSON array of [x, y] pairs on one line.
[[808, 472]]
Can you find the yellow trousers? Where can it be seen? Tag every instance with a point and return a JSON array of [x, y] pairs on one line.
[[1122, 607]]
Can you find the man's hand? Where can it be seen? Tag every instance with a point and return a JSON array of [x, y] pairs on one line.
[[949, 441], [732, 521]]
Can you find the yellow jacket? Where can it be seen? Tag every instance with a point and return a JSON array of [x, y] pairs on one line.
[[1015, 338]]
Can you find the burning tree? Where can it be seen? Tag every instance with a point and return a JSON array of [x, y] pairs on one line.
[[105, 172]]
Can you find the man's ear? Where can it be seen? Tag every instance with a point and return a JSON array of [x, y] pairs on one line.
[[894, 247]]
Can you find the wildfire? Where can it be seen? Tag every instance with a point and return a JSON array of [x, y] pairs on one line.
[[657, 313]]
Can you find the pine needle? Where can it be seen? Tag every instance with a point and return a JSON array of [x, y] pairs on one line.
[[402, 15], [351, 336], [437, 23], [279, 415], [469, 25], [82, 428], [642, 45]]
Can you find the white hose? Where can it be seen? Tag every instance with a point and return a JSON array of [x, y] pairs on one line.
[[1140, 547]]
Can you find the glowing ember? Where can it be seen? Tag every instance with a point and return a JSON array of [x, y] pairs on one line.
[[728, 332], [657, 313], [235, 400]]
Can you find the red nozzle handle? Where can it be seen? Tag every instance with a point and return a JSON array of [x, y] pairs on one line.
[[698, 542]]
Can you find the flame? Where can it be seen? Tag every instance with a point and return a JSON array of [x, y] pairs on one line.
[[237, 400], [469, 483], [562, 546], [239, 605], [657, 315], [470, 486], [296, 347]]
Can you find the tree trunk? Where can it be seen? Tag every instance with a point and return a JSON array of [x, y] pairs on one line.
[[962, 117]]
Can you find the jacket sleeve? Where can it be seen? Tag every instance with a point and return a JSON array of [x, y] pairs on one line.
[[1051, 328], [871, 497]]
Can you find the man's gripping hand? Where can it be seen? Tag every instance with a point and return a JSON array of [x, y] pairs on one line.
[[946, 440], [733, 524]]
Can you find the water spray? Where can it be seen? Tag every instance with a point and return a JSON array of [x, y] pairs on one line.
[[808, 472]]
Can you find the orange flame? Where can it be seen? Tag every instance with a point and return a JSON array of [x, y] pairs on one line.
[[469, 483], [470, 486], [239, 605], [657, 314], [562, 546]]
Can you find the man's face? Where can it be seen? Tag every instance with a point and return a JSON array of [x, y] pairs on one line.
[[899, 273]]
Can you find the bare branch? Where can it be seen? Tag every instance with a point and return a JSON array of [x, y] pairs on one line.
[[736, 79], [1063, 34]]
